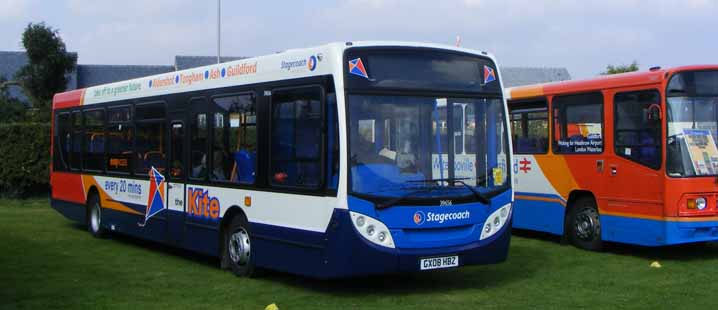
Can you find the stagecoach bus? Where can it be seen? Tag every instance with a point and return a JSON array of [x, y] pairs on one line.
[[332, 161], [628, 158]]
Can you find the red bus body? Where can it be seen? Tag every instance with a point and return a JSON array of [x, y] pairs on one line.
[[637, 204]]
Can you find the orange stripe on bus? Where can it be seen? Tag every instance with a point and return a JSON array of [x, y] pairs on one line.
[[661, 218], [559, 176], [527, 92], [535, 198]]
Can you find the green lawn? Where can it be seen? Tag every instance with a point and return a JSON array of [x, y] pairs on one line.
[[48, 262]]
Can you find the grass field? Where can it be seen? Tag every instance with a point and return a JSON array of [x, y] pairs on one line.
[[48, 262]]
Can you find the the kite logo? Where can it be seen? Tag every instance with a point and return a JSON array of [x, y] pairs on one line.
[[202, 205], [356, 67], [156, 197], [489, 75]]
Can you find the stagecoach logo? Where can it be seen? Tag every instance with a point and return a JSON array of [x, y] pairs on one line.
[[489, 75], [309, 63], [312, 64], [419, 218], [156, 197]]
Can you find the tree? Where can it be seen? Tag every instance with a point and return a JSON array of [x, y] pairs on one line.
[[611, 69], [48, 64]]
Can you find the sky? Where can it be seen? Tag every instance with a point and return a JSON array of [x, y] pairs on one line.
[[583, 36]]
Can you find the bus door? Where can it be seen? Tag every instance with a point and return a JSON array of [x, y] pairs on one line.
[[176, 178], [634, 176]]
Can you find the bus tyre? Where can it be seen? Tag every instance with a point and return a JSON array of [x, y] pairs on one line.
[[238, 247], [94, 217], [584, 225]]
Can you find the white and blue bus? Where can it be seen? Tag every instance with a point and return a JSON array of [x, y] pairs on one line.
[[341, 160]]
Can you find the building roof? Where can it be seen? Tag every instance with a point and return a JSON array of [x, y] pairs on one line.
[[518, 76], [10, 63]]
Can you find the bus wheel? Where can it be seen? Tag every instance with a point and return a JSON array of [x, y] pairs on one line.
[[584, 226], [238, 247], [94, 221]]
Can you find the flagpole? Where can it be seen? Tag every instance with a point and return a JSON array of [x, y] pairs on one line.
[[219, 22]]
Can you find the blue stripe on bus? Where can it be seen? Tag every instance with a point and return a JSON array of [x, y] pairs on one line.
[[539, 215], [650, 232]]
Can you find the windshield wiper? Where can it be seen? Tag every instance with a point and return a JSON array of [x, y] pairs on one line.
[[393, 201], [480, 197]]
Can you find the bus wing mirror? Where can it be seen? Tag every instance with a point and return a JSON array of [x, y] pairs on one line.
[[654, 113]]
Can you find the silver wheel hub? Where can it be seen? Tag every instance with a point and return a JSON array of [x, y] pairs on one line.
[[95, 218], [585, 226], [239, 247]]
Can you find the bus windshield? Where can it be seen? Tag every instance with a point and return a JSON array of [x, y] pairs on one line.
[[412, 147], [692, 119]]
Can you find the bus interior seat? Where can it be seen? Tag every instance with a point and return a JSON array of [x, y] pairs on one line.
[[245, 161]]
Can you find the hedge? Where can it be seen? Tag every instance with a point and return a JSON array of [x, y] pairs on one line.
[[24, 159]]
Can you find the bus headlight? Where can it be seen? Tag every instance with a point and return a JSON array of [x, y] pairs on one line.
[[496, 221], [372, 229], [701, 203]]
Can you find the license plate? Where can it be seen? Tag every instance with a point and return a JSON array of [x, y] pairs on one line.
[[439, 262]]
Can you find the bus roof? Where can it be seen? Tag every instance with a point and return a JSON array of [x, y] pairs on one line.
[[597, 83], [289, 64]]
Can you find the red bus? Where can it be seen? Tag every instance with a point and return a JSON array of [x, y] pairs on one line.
[[628, 158]]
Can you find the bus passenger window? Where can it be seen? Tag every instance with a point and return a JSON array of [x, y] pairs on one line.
[[529, 127], [333, 139], [94, 140], [76, 142], [198, 144], [150, 140], [296, 137], [62, 143], [177, 151], [149, 149], [578, 124], [637, 136], [119, 140], [235, 139]]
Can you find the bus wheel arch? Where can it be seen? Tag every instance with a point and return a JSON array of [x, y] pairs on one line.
[[582, 225]]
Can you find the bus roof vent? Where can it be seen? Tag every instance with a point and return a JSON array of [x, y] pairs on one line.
[[656, 68], [349, 43]]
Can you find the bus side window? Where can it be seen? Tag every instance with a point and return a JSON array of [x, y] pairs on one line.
[[94, 152], [637, 138], [296, 136], [76, 141], [62, 143], [578, 124], [333, 142], [149, 142], [235, 139], [529, 126], [198, 145], [119, 140]]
